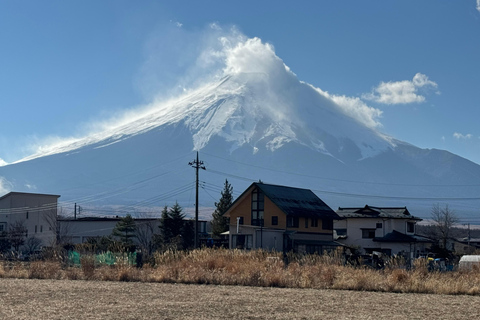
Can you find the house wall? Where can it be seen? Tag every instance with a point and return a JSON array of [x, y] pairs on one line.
[[355, 226], [33, 211], [243, 209], [78, 231], [270, 237]]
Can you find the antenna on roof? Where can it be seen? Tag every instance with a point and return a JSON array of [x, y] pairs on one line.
[[260, 181]]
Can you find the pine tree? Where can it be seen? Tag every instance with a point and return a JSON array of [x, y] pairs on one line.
[[176, 216], [172, 226], [125, 229], [165, 234], [219, 222]]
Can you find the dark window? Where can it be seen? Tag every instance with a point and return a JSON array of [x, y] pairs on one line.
[[306, 223], [41, 228], [240, 221], [274, 221], [410, 227], [341, 232], [258, 204], [314, 223], [27, 214], [35, 229], [379, 225], [292, 222], [327, 224], [2, 227], [368, 233]]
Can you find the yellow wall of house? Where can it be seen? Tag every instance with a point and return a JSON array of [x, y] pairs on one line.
[[243, 209]]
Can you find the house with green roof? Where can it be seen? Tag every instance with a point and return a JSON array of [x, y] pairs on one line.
[[281, 218]]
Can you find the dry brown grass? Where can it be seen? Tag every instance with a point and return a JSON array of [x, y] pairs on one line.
[[259, 269]]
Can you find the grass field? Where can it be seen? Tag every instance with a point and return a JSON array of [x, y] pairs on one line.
[[67, 299]]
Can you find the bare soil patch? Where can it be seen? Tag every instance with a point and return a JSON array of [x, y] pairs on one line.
[[67, 299]]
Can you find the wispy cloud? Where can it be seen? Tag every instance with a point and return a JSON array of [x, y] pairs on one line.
[[460, 136], [356, 108], [401, 92], [478, 5], [3, 162], [5, 186]]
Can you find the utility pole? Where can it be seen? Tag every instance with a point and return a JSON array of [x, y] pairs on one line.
[[197, 165], [75, 212]]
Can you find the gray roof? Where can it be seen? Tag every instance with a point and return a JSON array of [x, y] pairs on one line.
[[396, 236], [296, 202], [14, 193], [376, 212]]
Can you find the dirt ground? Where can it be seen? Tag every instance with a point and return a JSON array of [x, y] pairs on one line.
[[67, 299]]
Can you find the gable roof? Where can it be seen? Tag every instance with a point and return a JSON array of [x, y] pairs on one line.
[[396, 236], [376, 212], [292, 201]]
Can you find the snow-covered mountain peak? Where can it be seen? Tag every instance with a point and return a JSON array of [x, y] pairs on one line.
[[256, 101]]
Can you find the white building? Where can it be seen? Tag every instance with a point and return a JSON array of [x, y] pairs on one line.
[[387, 230], [36, 212]]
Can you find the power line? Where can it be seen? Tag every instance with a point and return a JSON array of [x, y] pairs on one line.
[[342, 180]]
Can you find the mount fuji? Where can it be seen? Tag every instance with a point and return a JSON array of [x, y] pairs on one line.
[[254, 120]]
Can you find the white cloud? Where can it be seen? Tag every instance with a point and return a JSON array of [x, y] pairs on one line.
[[5, 186], [3, 162], [401, 92], [478, 5], [355, 108], [460, 136]]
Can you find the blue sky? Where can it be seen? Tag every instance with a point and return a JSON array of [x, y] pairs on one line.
[[67, 65]]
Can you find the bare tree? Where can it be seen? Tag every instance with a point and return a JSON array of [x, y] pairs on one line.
[[444, 219], [17, 234], [59, 226], [146, 226], [32, 245]]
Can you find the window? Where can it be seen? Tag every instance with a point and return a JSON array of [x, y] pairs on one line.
[[274, 220], [379, 225], [292, 222], [327, 224], [314, 223], [368, 233], [41, 228], [2, 227], [27, 215], [411, 227], [306, 223], [258, 203], [240, 220], [242, 241], [35, 229]]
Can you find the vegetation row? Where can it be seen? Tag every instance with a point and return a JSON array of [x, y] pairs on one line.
[[253, 268]]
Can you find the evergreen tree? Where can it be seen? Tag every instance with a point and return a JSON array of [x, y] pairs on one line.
[[165, 234], [188, 234], [172, 226], [125, 229], [219, 222], [177, 223]]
